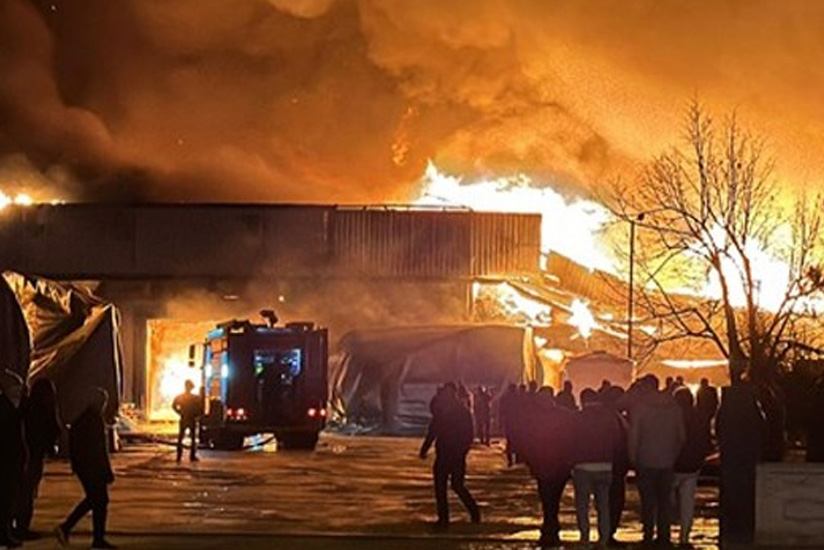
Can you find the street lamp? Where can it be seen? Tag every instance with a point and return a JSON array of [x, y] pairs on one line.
[[630, 304]]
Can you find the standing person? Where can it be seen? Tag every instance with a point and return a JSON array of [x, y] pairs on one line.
[[566, 397], [707, 400], [656, 436], [451, 432], [189, 407], [598, 435], [547, 448], [42, 428], [89, 457], [689, 462], [506, 417], [613, 399], [13, 454], [482, 409]]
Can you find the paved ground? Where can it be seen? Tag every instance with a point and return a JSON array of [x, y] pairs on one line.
[[353, 492]]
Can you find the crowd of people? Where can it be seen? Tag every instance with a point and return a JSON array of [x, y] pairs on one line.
[[30, 427], [664, 434]]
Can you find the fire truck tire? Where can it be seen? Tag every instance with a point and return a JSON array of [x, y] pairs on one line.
[[303, 441]]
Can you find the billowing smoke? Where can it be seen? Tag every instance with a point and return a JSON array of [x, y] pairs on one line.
[[344, 100]]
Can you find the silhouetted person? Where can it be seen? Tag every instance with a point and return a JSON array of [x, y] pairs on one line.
[[532, 387], [656, 436], [451, 431], [739, 427], [189, 407], [547, 448], [613, 399], [89, 456], [605, 386], [42, 429], [689, 462], [506, 419], [12, 452], [707, 400], [465, 396], [482, 411], [566, 397], [598, 441], [815, 423]]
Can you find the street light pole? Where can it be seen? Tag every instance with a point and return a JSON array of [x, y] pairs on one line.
[[630, 302]]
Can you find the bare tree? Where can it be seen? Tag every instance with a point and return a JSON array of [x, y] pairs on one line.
[[719, 257]]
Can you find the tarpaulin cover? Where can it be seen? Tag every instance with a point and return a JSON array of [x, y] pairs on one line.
[[588, 371], [74, 340], [383, 379]]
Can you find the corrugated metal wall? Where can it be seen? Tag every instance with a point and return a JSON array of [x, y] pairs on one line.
[[505, 243], [144, 242]]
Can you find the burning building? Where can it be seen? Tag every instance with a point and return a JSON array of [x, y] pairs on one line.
[[176, 270]]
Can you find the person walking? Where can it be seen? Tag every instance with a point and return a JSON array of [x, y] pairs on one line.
[[482, 410], [89, 455], [451, 431], [13, 453], [190, 408], [656, 437], [42, 428], [689, 463], [598, 435]]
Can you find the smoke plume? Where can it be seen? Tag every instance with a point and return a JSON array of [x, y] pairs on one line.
[[345, 100]]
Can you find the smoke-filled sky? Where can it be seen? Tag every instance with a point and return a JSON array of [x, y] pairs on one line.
[[345, 100]]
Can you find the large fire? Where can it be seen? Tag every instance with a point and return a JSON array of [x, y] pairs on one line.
[[575, 228]]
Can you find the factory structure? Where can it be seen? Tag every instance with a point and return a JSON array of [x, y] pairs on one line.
[[174, 270]]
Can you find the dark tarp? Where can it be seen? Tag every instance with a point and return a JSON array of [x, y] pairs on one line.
[[383, 379], [74, 340], [15, 343]]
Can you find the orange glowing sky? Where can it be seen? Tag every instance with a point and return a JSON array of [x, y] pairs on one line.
[[345, 100]]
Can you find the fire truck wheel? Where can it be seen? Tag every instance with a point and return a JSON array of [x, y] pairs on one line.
[[227, 441]]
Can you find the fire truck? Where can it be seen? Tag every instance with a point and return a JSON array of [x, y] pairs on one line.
[[264, 379]]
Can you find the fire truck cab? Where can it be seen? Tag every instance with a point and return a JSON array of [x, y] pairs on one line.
[[262, 378]]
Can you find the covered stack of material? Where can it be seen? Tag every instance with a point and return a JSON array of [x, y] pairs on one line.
[[67, 334], [382, 380]]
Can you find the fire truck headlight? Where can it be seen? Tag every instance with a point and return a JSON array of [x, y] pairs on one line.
[[224, 370], [313, 412]]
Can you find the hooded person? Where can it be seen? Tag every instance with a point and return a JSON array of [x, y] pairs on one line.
[[13, 457], [89, 455], [656, 437]]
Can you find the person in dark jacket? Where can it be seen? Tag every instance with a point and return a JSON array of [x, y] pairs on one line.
[[12, 453], [707, 401], [189, 407], [451, 431], [598, 442], [506, 419], [89, 456], [613, 398], [689, 462], [566, 397], [482, 409], [42, 429], [547, 447]]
